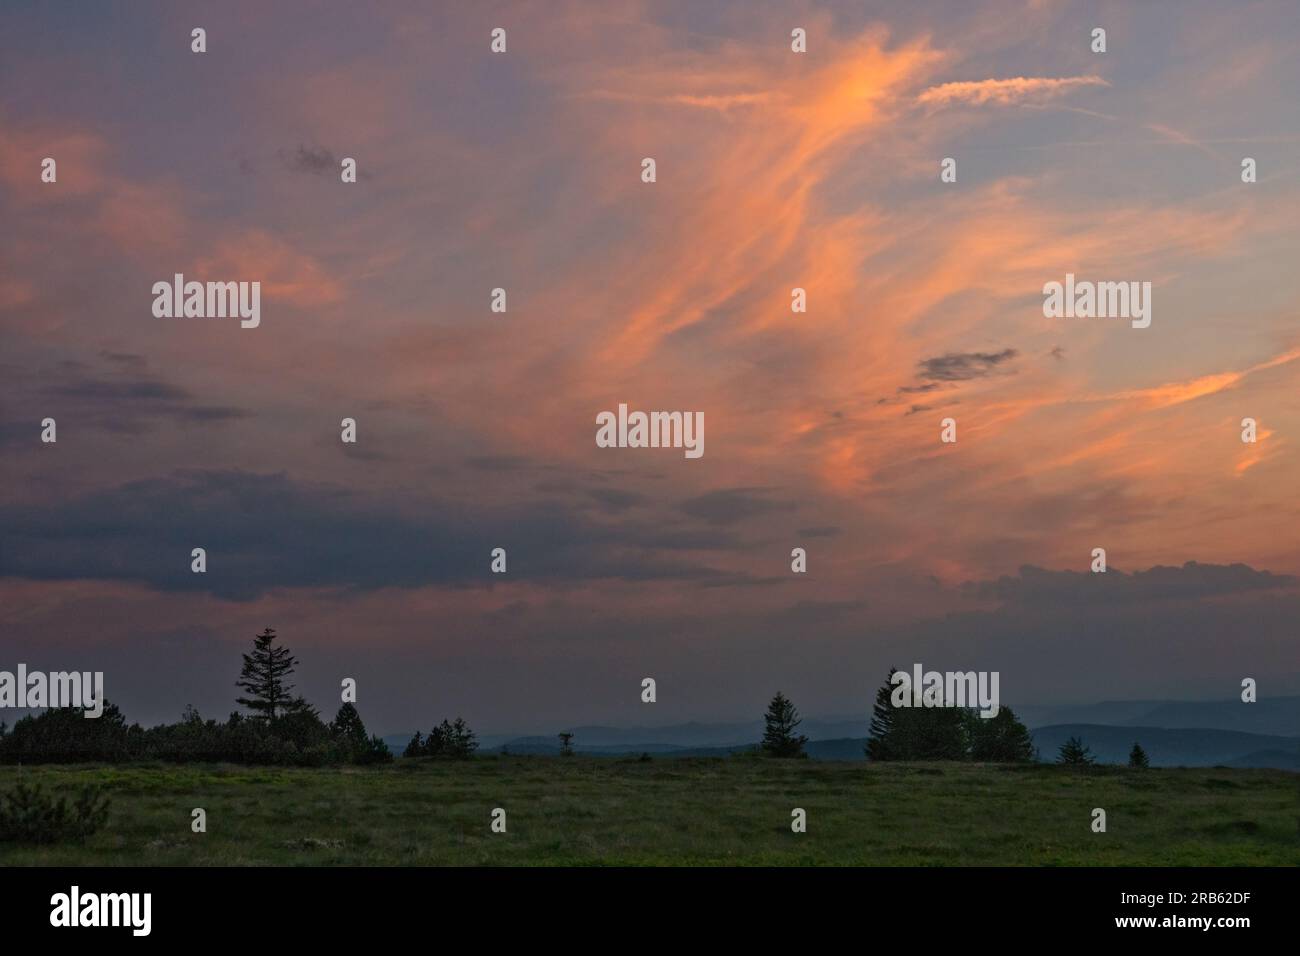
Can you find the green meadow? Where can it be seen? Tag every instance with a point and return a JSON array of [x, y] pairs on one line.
[[688, 811]]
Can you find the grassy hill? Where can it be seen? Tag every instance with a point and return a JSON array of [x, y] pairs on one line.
[[732, 810]]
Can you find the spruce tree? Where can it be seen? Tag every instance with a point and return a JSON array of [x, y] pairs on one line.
[[1074, 753], [999, 739], [1137, 757], [882, 722], [780, 721], [348, 728], [264, 677], [460, 740]]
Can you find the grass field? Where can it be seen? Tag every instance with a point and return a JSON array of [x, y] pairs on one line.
[[679, 811]]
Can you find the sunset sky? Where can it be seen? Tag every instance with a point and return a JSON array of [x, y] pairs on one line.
[[476, 430]]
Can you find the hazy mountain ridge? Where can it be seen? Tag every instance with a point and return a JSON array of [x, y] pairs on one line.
[[1174, 733]]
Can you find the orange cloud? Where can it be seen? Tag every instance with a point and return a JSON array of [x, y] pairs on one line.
[[287, 275], [1006, 92]]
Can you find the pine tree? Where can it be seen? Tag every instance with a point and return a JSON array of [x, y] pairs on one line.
[[916, 732], [348, 728], [435, 745], [1074, 753], [460, 740], [999, 739], [416, 747], [882, 722], [566, 744], [264, 677], [1137, 757], [780, 721]]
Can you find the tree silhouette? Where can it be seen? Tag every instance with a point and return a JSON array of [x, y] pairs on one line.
[[882, 722], [1137, 757], [1075, 754], [999, 739], [566, 741], [916, 732], [447, 739], [780, 721], [264, 677], [348, 727]]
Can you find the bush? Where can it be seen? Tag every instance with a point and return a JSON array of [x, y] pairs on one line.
[[66, 735], [30, 815], [376, 751], [298, 737]]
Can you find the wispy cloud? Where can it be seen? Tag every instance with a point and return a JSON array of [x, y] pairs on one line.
[[1006, 92]]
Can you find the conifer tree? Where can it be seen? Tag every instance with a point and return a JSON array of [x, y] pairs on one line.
[[1074, 753], [999, 739], [780, 721], [882, 722], [347, 727], [265, 678], [1137, 757]]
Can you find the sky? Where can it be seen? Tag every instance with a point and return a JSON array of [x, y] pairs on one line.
[[476, 429]]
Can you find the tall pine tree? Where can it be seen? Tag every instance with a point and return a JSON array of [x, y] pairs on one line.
[[882, 722], [780, 721], [915, 732], [265, 678]]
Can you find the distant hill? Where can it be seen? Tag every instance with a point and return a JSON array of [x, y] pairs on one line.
[[1166, 747], [1278, 716], [1174, 733]]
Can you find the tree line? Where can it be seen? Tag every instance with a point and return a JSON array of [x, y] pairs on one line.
[[930, 733], [280, 727]]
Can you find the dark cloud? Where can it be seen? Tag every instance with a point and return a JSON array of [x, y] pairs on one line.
[[121, 395], [1192, 581], [263, 532], [732, 505], [1074, 635], [129, 359], [315, 161], [962, 366]]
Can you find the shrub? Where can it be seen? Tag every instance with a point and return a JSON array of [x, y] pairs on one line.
[[66, 735], [376, 751], [29, 815]]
